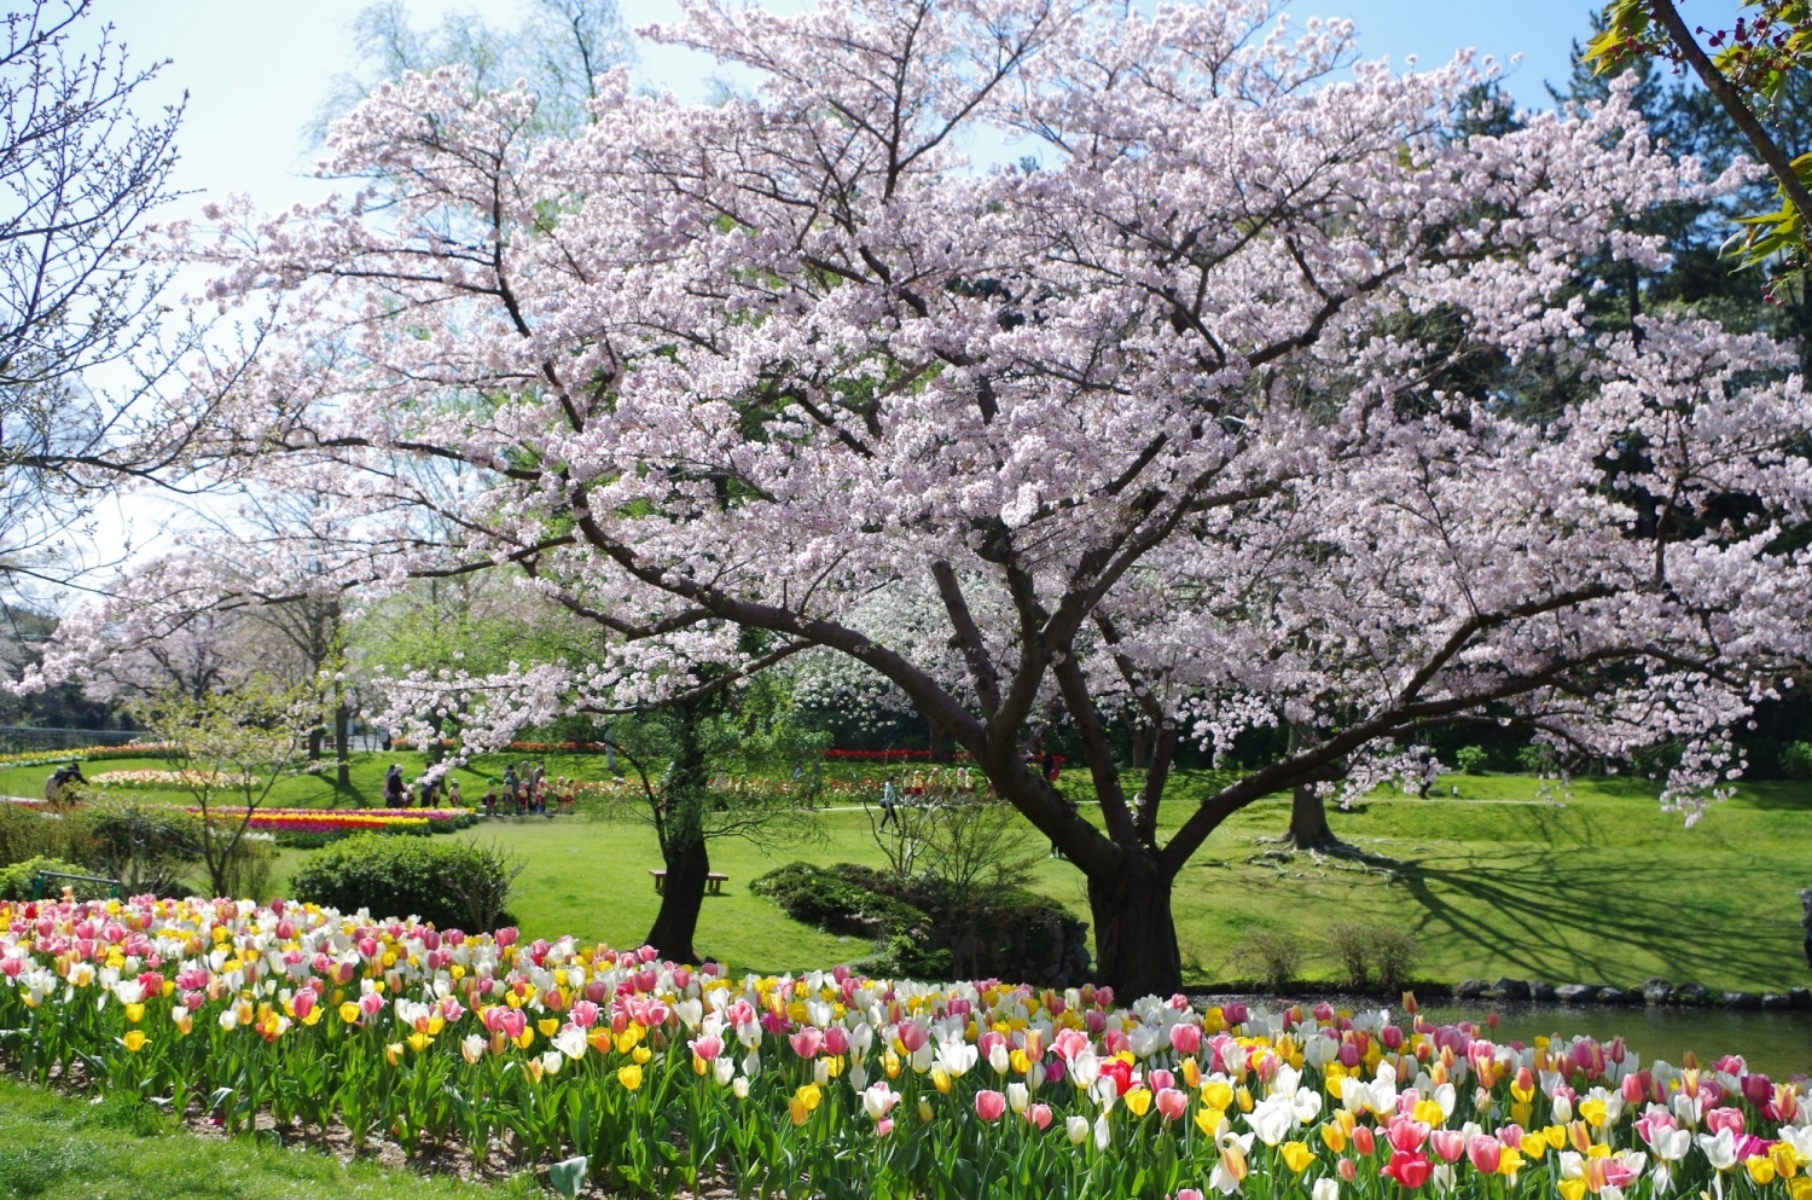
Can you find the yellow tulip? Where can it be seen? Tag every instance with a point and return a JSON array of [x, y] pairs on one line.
[[641, 1054], [1572, 1189], [1594, 1111], [526, 1038], [1429, 1113], [1244, 1096], [1800, 1188], [1139, 1100], [1556, 1136], [349, 1013], [940, 1079], [1761, 1169], [135, 1013], [1216, 1094], [420, 1041], [393, 1053], [548, 1026], [1333, 1138], [630, 1076], [1209, 1119], [1192, 1074], [925, 1112], [1297, 1156], [134, 1041], [1509, 1162], [1786, 1160]]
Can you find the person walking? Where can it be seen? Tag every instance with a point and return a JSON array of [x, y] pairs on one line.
[[395, 795], [510, 784], [890, 799]]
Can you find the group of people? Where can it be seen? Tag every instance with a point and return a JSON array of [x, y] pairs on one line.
[[426, 793], [527, 792], [523, 791]]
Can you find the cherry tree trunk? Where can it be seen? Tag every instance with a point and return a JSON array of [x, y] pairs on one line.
[[688, 862], [1309, 819], [342, 717], [1135, 934], [939, 741]]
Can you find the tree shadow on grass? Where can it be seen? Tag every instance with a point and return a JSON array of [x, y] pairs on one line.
[[1539, 918]]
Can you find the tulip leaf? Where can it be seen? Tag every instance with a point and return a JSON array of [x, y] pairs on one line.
[[568, 1176]]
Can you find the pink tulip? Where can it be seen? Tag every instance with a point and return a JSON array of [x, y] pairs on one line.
[[1171, 1103], [1188, 1194], [883, 1127], [707, 1047], [1450, 1144], [989, 1105], [1486, 1152], [836, 1040], [1185, 1038], [1236, 1013], [507, 936], [807, 1042], [1348, 1170], [1159, 1079], [1039, 1115], [1720, 1119], [912, 1035]]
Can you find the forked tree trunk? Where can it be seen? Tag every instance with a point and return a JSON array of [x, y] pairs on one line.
[[1135, 934], [1309, 820], [682, 898]]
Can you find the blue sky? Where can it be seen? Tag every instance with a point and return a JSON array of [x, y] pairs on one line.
[[258, 70]]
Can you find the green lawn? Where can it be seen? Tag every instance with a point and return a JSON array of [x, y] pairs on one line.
[[1605, 889], [64, 1149]]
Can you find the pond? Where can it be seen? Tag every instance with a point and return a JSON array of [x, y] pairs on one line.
[[1775, 1042]]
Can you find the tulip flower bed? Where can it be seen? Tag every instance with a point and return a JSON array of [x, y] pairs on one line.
[[47, 758], [151, 777], [666, 1077], [381, 820]]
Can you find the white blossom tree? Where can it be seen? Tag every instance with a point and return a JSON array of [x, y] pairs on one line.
[[1164, 419]]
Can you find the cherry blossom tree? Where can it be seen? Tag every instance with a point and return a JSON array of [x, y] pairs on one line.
[[1171, 413]]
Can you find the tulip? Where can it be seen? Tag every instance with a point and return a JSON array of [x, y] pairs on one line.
[[1325, 1189], [1172, 1104], [1486, 1152], [989, 1105], [1410, 1170], [1039, 1115], [1076, 1129]]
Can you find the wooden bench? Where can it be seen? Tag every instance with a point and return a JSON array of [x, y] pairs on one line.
[[714, 881]]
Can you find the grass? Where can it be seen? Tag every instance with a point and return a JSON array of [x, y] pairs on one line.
[[59, 1148], [1602, 889]]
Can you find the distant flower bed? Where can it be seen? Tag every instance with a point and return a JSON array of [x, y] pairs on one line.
[[149, 777], [51, 758], [335, 822]]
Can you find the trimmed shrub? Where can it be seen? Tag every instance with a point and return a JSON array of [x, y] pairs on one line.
[[1472, 759], [452, 884]]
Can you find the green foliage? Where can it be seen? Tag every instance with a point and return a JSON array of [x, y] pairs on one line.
[[1372, 954], [16, 880], [836, 900], [147, 847], [1796, 760], [1472, 759], [248, 866], [452, 884], [1272, 956]]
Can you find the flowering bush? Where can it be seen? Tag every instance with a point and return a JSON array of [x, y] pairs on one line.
[[150, 777], [666, 1076]]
